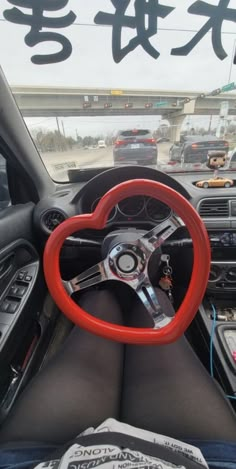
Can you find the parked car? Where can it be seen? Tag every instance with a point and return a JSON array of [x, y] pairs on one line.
[[101, 144], [194, 148], [135, 146], [4, 194]]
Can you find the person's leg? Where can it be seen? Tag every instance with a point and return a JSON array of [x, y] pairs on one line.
[[80, 386], [167, 390]]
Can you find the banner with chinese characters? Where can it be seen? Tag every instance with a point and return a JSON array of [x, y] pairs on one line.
[[169, 44]]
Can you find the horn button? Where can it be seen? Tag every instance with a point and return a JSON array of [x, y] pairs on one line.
[[127, 260]]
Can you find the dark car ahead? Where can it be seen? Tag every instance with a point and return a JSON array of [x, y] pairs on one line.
[[135, 146], [194, 148]]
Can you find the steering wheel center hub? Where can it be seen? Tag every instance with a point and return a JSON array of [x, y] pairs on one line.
[[127, 260], [127, 263]]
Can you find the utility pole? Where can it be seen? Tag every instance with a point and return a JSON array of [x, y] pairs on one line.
[[63, 128], [58, 127], [59, 133], [209, 128]]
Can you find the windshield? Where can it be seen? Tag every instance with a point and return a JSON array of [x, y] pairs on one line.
[[136, 82]]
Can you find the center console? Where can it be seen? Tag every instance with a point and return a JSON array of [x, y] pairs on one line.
[[223, 266], [217, 317]]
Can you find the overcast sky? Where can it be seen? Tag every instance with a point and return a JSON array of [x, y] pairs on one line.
[[91, 63]]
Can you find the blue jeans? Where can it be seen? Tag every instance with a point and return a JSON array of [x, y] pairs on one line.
[[219, 455], [25, 456]]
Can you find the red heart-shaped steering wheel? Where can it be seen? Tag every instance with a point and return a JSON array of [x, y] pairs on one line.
[[128, 263]]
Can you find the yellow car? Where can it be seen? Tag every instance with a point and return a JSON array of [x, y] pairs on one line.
[[215, 182]]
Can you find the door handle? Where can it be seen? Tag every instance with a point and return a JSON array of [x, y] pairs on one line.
[[6, 265]]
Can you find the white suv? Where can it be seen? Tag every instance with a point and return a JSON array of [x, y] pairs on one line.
[[101, 144]]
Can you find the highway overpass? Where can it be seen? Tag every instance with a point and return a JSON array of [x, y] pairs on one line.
[[35, 101], [55, 101]]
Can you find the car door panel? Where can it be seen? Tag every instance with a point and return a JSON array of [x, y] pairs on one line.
[[19, 266], [22, 294], [16, 223], [4, 191]]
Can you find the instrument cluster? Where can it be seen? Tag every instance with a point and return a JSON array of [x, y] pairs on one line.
[[138, 208]]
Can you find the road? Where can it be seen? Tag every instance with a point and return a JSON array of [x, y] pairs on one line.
[[58, 163]]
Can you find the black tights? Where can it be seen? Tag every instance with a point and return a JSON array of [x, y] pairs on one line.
[[160, 388]]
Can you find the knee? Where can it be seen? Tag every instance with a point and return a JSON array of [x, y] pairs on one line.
[[102, 304], [97, 297]]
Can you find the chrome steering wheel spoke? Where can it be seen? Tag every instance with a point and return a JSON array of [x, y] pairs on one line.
[[158, 235], [148, 296], [128, 263], [90, 277]]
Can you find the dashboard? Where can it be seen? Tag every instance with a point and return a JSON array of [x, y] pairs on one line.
[[217, 207], [80, 198]]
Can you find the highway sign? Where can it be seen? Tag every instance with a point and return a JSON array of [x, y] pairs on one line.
[[116, 92], [229, 87], [224, 109], [161, 103]]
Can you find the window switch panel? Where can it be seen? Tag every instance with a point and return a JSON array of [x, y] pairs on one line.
[[12, 308]]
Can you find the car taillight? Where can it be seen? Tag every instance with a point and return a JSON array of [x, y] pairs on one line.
[[194, 145], [119, 142], [226, 144], [149, 140]]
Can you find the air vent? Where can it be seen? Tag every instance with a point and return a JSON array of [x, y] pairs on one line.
[[52, 218], [214, 208]]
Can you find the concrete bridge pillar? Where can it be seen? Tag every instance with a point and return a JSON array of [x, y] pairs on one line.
[[175, 127]]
